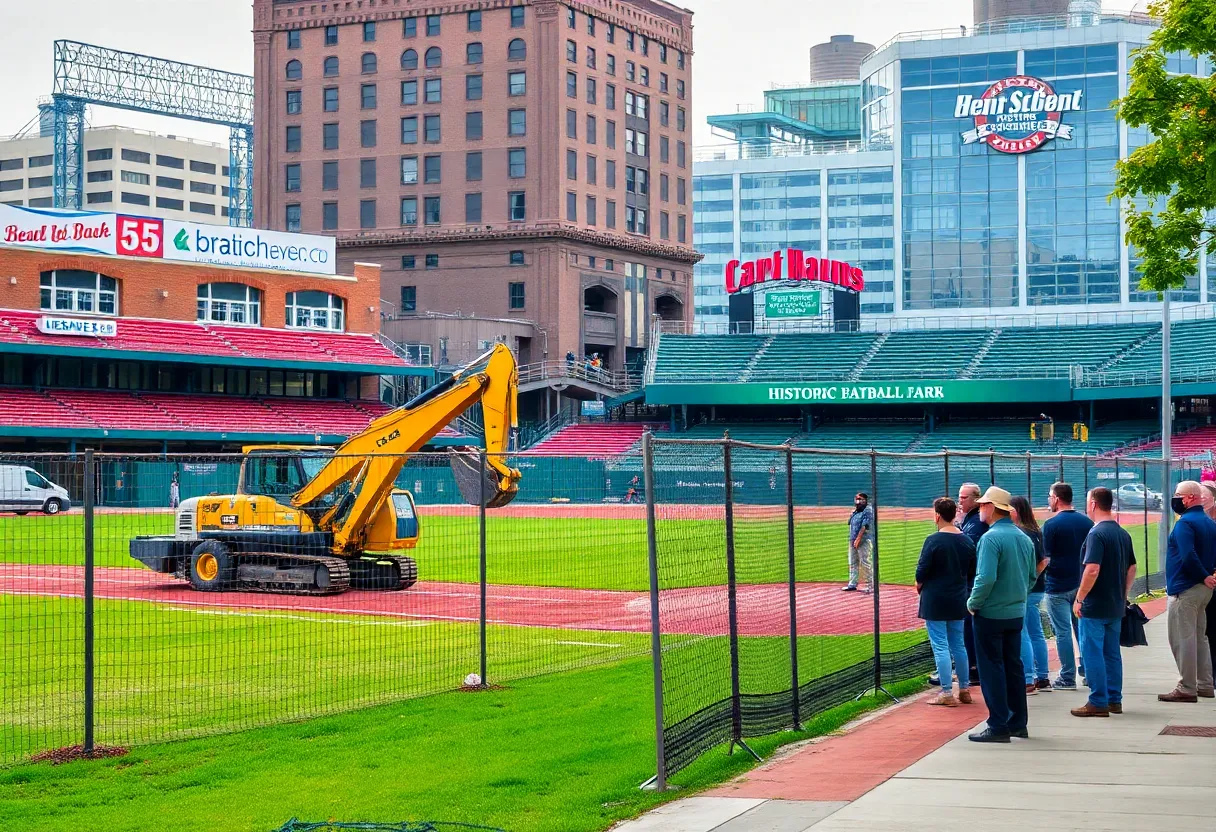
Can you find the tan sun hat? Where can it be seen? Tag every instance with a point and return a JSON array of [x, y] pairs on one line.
[[999, 497]]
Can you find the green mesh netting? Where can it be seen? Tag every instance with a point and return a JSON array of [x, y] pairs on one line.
[[295, 825]]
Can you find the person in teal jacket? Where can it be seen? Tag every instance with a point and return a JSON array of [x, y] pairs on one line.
[[1005, 572]]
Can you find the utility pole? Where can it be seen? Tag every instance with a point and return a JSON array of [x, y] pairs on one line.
[[1167, 425]]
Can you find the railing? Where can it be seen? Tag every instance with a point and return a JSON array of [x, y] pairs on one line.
[[545, 370], [401, 352], [736, 151], [1133, 378], [686, 376], [530, 435]]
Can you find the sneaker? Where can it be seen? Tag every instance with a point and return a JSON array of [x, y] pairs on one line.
[[1116, 708], [946, 700], [1021, 734], [935, 680], [964, 696], [1031, 690], [1088, 710], [1060, 684], [1177, 696], [1207, 694], [1043, 685], [848, 589], [988, 735]]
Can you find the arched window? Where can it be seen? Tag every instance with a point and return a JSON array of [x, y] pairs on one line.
[[73, 290], [315, 310], [369, 63], [434, 57], [517, 50], [331, 66], [295, 70], [473, 53], [229, 303], [409, 59]]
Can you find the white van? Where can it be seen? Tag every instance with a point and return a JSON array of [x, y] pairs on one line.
[[24, 490]]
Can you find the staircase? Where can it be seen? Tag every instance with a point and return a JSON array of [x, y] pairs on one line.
[[755, 359], [970, 370], [860, 367], [1131, 348], [917, 442]]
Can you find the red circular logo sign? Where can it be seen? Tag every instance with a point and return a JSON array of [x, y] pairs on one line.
[[1018, 114]]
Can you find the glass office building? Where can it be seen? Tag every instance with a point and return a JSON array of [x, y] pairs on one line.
[[1001, 205]]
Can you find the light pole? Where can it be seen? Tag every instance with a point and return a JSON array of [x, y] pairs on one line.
[[1167, 425]]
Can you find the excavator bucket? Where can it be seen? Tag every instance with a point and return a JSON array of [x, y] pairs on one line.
[[466, 468]]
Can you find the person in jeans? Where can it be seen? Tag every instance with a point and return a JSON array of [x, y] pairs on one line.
[[1064, 534], [1189, 563], [1110, 568], [861, 543], [1005, 572], [974, 527], [1034, 644], [945, 569]]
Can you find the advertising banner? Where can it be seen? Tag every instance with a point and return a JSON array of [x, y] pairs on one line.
[[90, 232], [1018, 114], [914, 392], [791, 304]]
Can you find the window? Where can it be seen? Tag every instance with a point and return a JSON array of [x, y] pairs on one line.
[[295, 102], [202, 167], [517, 83], [571, 85], [315, 310], [590, 55], [432, 129], [472, 166], [516, 258], [295, 70], [664, 225], [571, 124], [432, 167], [682, 229], [134, 178], [515, 295], [664, 113], [645, 77], [570, 18], [433, 22], [432, 210], [635, 220], [100, 175], [329, 136], [645, 45], [473, 53], [329, 216], [367, 213], [610, 96], [409, 130], [517, 50], [571, 52], [434, 57], [103, 154], [367, 96], [610, 67], [572, 164], [681, 191], [292, 217], [609, 265], [131, 156], [434, 90], [664, 187], [432, 261], [590, 90], [611, 33], [291, 177], [631, 71], [637, 104], [367, 133], [610, 213], [408, 261], [517, 162], [516, 206], [664, 149], [161, 161], [233, 303], [409, 93], [472, 126], [474, 21], [331, 35], [409, 211], [409, 294], [330, 99], [46, 181], [329, 176], [201, 188], [637, 180], [330, 66], [591, 218], [73, 290], [591, 131], [571, 206], [161, 182], [409, 170], [681, 154], [164, 202], [369, 31], [472, 208], [136, 199], [662, 53], [517, 17], [293, 39], [610, 134], [472, 87], [680, 90], [679, 59], [635, 142], [610, 173], [517, 122], [367, 64], [681, 119], [367, 173], [590, 25], [409, 59]]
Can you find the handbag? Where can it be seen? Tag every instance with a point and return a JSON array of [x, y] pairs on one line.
[[1131, 634]]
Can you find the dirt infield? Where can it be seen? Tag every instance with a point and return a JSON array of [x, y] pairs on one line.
[[763, 609]]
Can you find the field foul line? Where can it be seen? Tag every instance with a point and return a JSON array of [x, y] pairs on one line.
[[309, 618], [587, 644]]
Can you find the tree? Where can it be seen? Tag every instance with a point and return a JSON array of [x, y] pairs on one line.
[[1170, 183]]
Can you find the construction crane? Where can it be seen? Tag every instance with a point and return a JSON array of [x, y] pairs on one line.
[[319, 521]]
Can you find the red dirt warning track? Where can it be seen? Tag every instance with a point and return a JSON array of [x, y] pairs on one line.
[[763, 609]]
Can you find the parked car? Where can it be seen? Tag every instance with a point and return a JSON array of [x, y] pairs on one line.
[[22, 489], [1137, 495]]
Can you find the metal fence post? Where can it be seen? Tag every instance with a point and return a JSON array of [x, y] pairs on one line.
[[1029, 479], [1085, 465], [1115, 490], [795, 703], [656, 645], [874, 584], [481, 565], [90, 479], [991, 469], [732, 608], [946, 461], [1061, 469]]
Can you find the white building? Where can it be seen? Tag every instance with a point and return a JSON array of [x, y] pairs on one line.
[[125, 170]]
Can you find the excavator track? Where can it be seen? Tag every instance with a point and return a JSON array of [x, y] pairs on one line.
[[384, 573], [290, 574]]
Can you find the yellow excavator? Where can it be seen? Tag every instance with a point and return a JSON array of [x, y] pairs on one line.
[[318, 521]]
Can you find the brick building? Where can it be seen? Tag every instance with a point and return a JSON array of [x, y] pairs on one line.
[[501, 159]]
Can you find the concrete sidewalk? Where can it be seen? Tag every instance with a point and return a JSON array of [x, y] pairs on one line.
[[1094, 774]]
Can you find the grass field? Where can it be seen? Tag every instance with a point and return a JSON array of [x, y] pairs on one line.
[[556, 754]]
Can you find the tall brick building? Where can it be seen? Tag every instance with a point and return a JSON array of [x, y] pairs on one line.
[[504, 159]]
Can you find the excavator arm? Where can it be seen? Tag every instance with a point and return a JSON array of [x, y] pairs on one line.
[[370, 461]]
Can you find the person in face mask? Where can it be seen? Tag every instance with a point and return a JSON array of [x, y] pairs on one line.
[[861, 543], [1190, 562]]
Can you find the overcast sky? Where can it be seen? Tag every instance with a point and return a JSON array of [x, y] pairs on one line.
[[742, 46]]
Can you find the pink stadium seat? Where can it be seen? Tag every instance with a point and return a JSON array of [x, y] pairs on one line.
[[118, 410], [23, 407], [597, 440]]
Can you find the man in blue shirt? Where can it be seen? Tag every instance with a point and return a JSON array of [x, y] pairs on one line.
[[1063, 536], [861, 543], [973, 526], [1190, 563]]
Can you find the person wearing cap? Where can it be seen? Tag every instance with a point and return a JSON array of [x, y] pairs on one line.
[[1005, 572], [1190, 562]]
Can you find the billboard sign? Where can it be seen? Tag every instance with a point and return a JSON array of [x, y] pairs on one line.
[[593, 408], [1018, 114], [123, 235], [793, 265], [791, 304], [48, 325], [895, 391]]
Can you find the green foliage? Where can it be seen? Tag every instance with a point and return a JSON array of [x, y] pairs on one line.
[[1170, 183]]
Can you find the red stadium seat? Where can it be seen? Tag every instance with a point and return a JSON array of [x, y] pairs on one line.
[[599, 440]]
